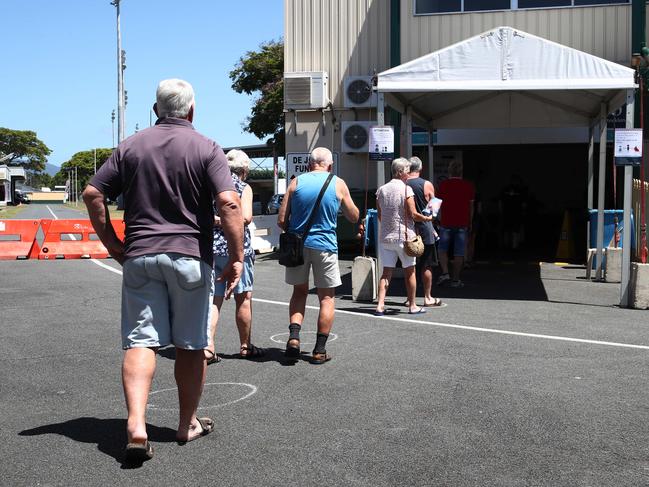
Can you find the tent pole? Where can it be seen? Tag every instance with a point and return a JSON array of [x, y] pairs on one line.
[[408, 134], [380, 120], [431, 156], [627, 228], [600, 191], [591, 153]]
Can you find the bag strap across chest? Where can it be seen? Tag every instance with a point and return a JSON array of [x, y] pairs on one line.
[[316, 206]]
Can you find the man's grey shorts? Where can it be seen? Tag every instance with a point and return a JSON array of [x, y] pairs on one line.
[[166, 298], [326, 273]]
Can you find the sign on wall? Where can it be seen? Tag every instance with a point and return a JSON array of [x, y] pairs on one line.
[[381, 145], [627, 148], [297, 163]]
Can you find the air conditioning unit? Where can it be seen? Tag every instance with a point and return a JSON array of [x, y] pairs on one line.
[[306, 90], [355, 136], [359, 92]]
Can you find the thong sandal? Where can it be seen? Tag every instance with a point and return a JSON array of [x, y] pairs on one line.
[[436, 302], [292, 351], [138, 452], [251, 352], [207, 425], [419, 311], [213, 359]]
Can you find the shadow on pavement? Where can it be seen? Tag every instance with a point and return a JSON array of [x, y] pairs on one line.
[[271, 354], [108, 434], [520, 282]]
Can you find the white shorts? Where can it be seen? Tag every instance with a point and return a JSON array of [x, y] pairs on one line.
[[391, 251]]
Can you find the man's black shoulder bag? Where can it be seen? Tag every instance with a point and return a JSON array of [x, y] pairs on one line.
[[291, 245]]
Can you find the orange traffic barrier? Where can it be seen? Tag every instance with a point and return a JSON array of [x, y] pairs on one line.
[[18, 239], [73, 239]]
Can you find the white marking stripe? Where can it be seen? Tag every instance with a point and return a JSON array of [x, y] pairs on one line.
[[447, 325], [107, 267], [474, 328], [50, 210]]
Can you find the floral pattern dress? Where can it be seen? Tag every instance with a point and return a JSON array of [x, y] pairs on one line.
[[220, 243]]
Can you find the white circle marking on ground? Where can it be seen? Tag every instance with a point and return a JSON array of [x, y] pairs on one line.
[[253, 390], [332, 337]]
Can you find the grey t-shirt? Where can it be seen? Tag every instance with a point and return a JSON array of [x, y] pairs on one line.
[[169, 175]]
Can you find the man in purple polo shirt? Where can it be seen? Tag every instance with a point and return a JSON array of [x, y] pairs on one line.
[[170, 175]]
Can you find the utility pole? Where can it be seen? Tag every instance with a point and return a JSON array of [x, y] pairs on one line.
[[121, 98], [112, 120], [121, 65]]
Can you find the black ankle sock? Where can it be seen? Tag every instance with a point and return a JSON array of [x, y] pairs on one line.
[[294, 331], [320, 342]]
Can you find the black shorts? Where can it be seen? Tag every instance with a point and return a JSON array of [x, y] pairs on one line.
[[429, 257]]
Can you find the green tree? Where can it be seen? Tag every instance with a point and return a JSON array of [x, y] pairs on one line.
[[39, 180], [27, 149], [84, 161], [262, 72]]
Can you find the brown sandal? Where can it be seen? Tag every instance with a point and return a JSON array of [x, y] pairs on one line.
[[214, 359], [249, 351], [320, 358], [292, 351]]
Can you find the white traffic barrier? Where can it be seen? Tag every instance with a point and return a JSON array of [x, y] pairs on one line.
[[265, 233]]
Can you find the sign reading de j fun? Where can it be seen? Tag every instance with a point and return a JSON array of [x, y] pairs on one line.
[[297, 163], [381, 145], [628, 147]]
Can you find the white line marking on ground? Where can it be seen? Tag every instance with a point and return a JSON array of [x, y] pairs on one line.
[[50, 210], [474, 328], [107, 267], [253, 390], [332, 337], [450, 325]]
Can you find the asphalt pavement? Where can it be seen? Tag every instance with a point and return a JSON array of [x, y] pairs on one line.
[[36, 211], [529, 376]]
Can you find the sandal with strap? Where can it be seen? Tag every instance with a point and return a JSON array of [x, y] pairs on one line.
[[212, 358], [292, 350], [138, 452], [318, 358], [249, 351], [436, 302], [207, 426]]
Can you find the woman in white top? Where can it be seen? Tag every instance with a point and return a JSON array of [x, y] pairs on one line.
[[397, 213]]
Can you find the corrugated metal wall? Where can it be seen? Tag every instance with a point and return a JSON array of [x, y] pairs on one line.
[[604, 31], [342, 37]]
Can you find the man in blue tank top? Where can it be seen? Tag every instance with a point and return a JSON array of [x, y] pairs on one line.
[[320, 247]]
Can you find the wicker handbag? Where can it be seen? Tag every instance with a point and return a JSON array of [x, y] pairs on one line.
[[414, 247]]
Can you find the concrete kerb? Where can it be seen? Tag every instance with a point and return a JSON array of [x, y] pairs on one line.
[[639, 286], [613, 265]]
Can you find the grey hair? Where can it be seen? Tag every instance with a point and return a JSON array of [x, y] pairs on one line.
[[415, 164], [455, 169], [238, 162], [321, 156], [400, 166], [174, 98]]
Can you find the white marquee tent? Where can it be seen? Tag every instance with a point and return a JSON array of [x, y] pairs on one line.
[[507, 78]]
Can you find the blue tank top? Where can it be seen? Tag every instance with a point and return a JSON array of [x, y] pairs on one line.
[[322, 235]]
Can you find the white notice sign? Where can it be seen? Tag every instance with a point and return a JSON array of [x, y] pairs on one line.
[[628, 147], [381, 145], [298, 163]]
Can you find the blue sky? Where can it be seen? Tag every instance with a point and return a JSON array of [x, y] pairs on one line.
[[60, 67]]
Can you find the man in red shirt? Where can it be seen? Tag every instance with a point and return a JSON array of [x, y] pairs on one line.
[[457, 197]]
